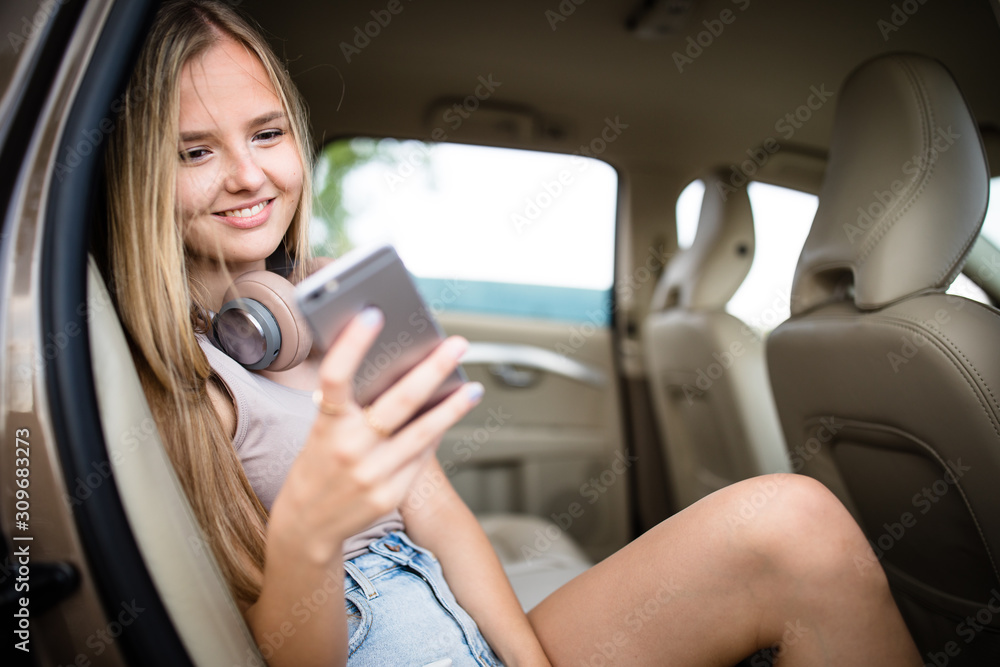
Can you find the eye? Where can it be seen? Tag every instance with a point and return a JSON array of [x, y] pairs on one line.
[[268, 137], [193, 155]]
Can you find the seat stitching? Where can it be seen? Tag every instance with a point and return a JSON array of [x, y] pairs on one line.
[[903, 323], [941, 462], [961, 252], [926, 115], [959, 352]]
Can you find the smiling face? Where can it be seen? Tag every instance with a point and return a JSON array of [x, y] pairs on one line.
[[239, 178]]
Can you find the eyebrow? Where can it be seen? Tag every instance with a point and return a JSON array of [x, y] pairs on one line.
[[264, 119]]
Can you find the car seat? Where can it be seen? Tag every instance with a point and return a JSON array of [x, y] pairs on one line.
[[887, 387], [706, 368]]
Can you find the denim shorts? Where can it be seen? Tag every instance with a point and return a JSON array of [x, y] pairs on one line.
[[400, 611]]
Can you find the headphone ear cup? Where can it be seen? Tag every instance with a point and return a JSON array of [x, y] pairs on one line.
[[277, 295]]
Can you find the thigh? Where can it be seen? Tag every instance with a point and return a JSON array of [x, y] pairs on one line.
[[691, 591]]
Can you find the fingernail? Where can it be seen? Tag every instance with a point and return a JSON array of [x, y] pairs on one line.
[[371, 316], [474, 391], [458, 347]]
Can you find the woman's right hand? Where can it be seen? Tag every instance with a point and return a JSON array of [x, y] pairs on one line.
[[356, 466]]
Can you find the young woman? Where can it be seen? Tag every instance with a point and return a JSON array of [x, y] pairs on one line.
[[208, 178]]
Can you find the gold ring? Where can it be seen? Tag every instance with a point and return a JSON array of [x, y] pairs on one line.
[[328, 407], [374, 424]]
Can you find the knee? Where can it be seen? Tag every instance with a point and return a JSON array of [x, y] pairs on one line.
[[799, 526]]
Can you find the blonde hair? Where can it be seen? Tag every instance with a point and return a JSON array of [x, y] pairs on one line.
[[158, 303]]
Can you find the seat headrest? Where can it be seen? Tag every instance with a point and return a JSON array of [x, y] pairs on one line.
[[905, 191], [706, 275]]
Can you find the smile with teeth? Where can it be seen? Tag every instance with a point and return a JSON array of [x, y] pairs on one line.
[[246, 212]]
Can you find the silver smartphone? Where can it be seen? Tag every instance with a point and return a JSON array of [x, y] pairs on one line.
[[375, 276]]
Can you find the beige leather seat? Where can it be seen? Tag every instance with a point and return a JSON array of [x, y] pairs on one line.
[[889, 389], [181, 565], [706, 368]]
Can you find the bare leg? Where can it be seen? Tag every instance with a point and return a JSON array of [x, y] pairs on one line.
[[765, 562]]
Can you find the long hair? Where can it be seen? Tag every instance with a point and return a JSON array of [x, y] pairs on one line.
[[159, 305]]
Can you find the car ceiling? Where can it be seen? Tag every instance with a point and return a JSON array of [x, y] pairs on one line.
[[564, 82]]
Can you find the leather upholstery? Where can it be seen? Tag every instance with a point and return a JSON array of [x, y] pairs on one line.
[[706, 275], [904, 146], [889, 389], [707, 373], [180, 563], [174, 548]]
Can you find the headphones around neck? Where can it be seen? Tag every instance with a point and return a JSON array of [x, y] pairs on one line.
[[259, 324]]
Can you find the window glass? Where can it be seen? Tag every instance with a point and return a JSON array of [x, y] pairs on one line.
[[991, 226], [499, 231], [963, 286], [782, 218], [688, 212]]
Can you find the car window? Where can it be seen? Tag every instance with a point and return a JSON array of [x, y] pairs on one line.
[[782, 217], [963, 285], [991, 226], [481, 229], [688, 212]]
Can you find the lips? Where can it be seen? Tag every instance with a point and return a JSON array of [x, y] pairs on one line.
[[248, 217]]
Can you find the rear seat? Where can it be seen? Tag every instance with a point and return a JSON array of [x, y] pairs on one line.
[[537, 556], [185, 573]]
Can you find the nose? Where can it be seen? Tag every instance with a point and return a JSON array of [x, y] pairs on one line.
[[245, 173]]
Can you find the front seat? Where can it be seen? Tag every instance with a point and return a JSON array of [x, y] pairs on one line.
[[888, 389], [712, 402]]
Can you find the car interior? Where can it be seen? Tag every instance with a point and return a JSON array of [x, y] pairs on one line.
[[670, 152]]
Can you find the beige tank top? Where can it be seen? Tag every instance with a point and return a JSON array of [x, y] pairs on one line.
[[272, 423]]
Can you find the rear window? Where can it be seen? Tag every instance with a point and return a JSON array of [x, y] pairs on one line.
[[782, 218]]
